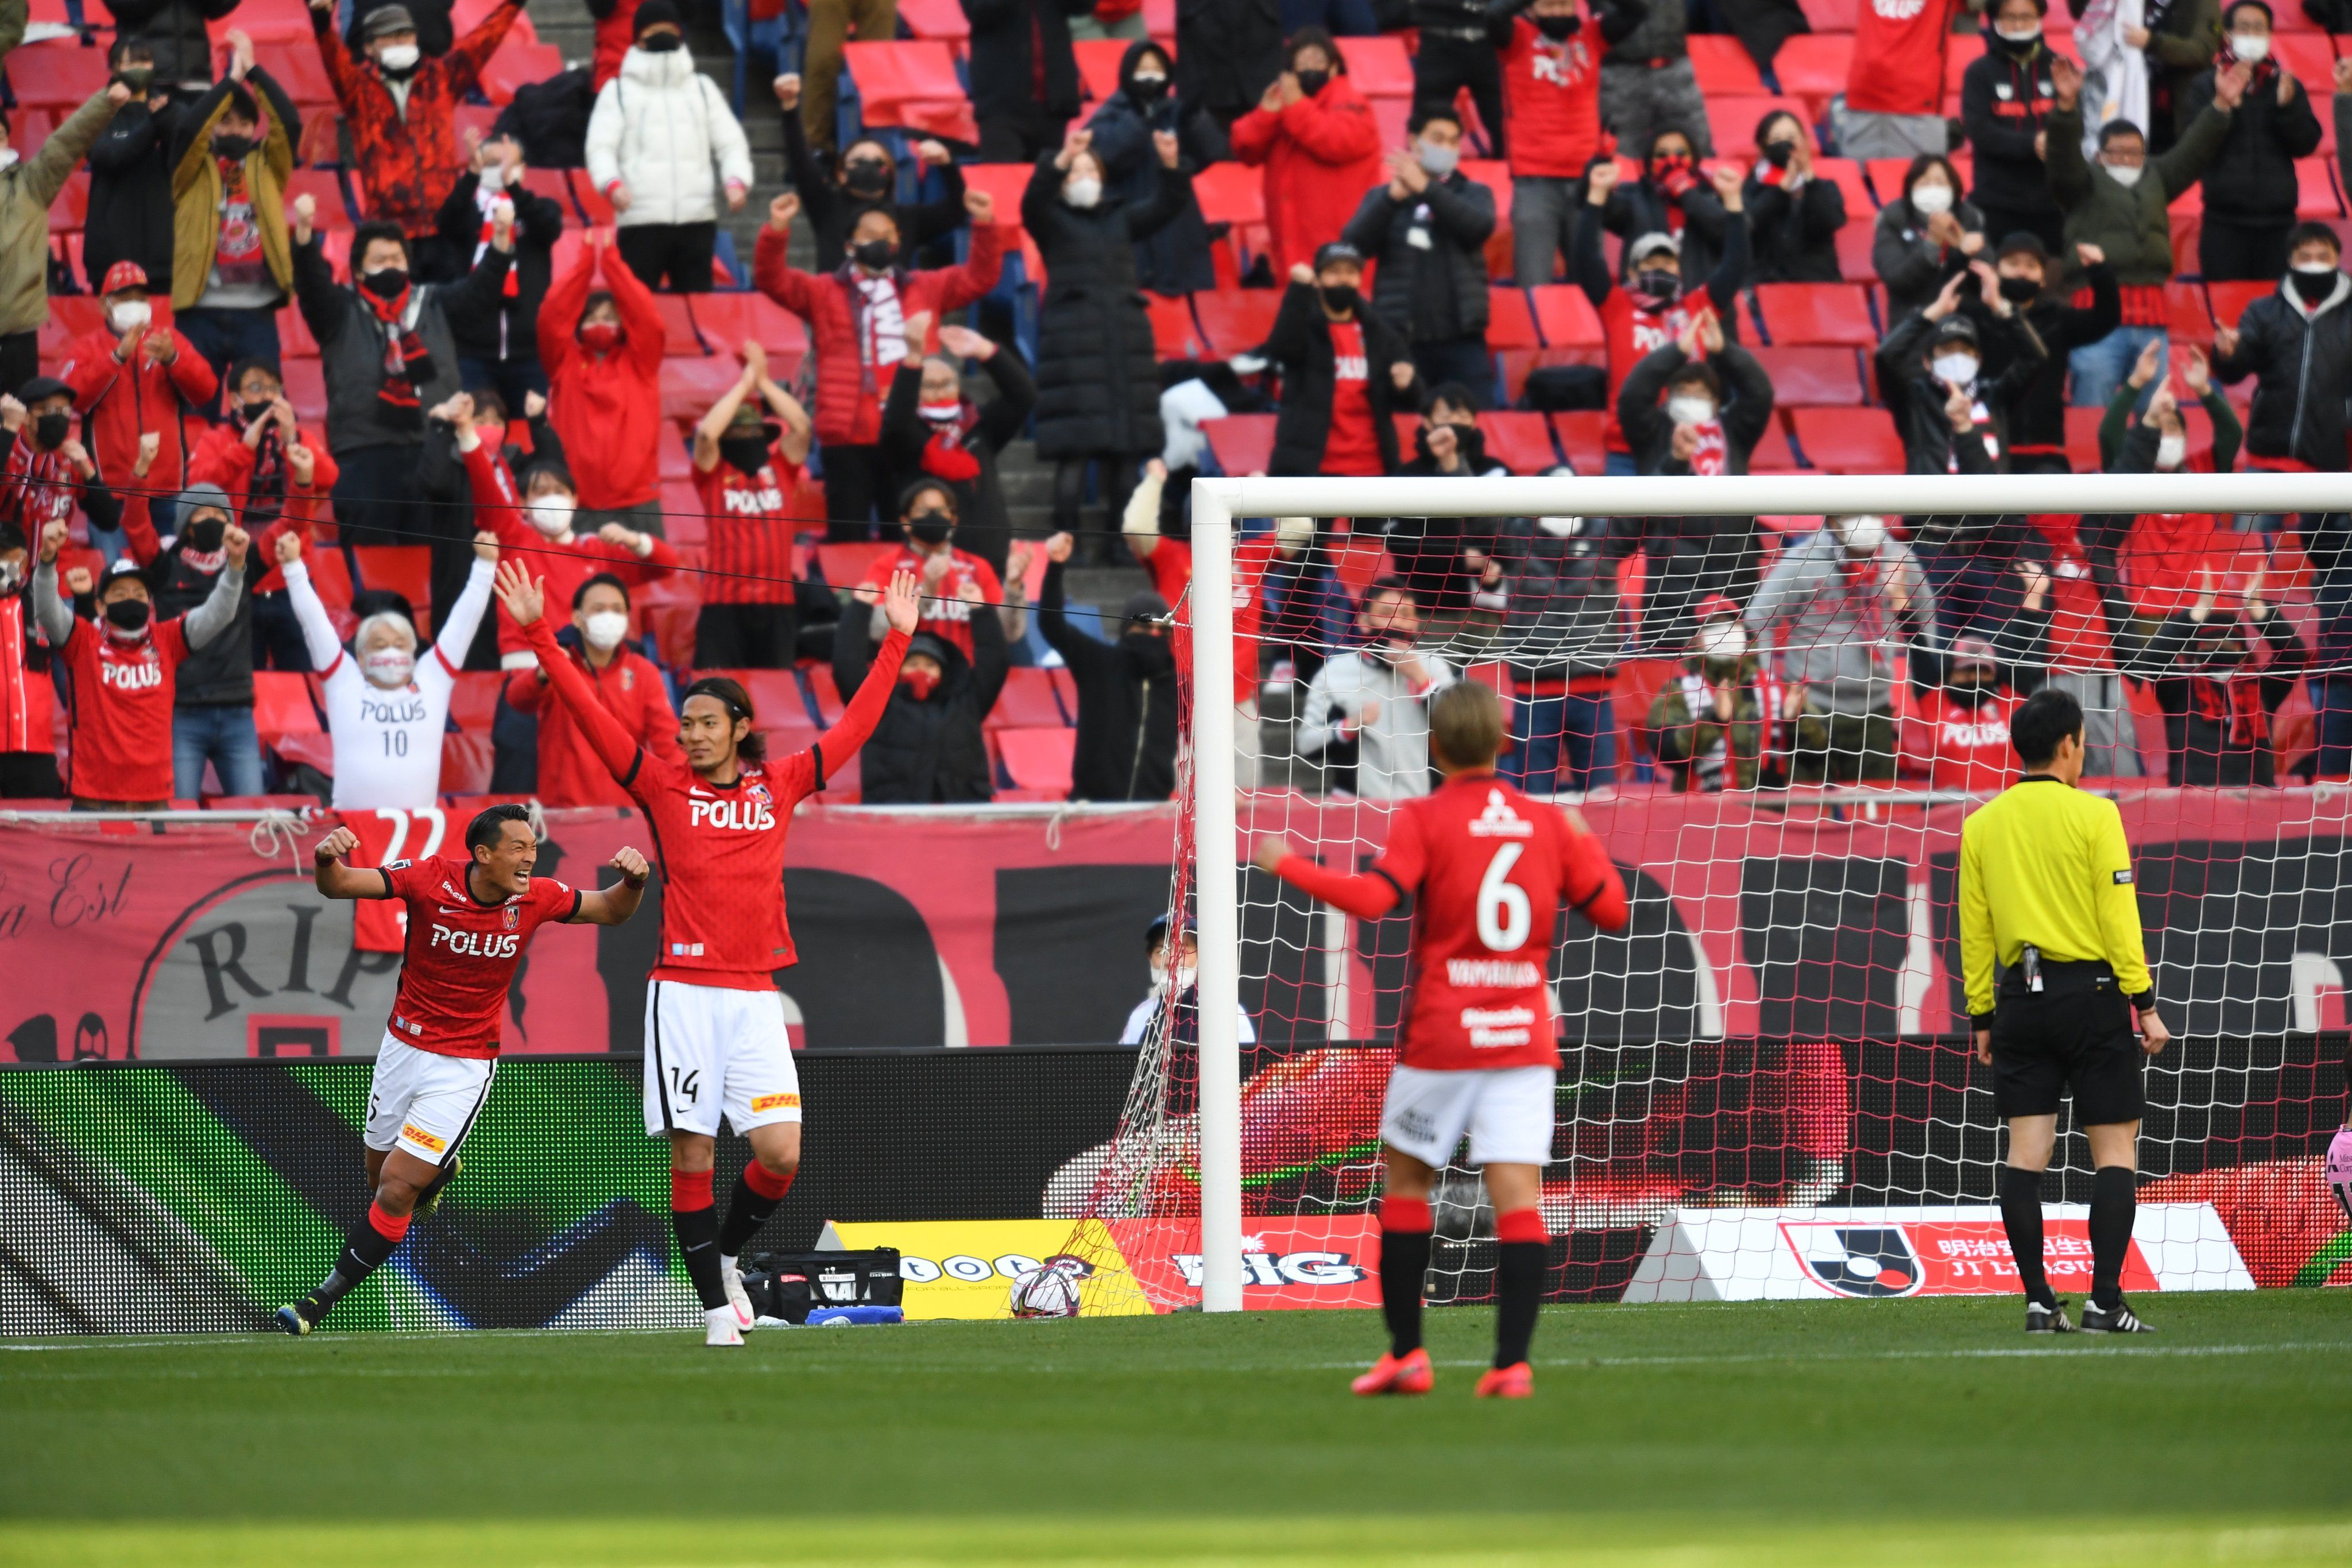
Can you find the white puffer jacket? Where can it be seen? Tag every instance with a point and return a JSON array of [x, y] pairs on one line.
[[664, 129]]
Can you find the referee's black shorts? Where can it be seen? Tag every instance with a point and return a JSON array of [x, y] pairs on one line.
[[2074, 1034]]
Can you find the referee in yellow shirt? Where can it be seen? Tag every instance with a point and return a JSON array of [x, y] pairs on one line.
[[2046, 887]]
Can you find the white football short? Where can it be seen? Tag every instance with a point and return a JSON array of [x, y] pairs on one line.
[[1507, 1111], [424, 1103], [710, 1047]]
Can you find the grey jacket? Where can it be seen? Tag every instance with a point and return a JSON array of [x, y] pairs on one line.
[[1393, 761], [1841, 625]]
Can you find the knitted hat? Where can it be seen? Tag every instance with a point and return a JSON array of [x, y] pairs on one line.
[[384, 21]]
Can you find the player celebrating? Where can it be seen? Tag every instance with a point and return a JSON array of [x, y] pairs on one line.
[[1488, 870], [469, 923], [715, 1034]]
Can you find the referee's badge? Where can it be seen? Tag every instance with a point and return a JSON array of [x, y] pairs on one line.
[[2123, 877]]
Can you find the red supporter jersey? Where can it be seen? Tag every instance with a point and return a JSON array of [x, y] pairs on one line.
[[945, 614], [121, 696], [1171, 567], [1551, 101], [1350, 447], [749, 553], [1489, 871], [462, 953], [1635, 327], [1898, 56], [1962, 747]]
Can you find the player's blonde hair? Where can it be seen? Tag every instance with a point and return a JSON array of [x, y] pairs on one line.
[[1465, 725]]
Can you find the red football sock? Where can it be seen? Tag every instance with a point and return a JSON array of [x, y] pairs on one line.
[[390, 1227], [1521, 1225], [689, 1190], [766, 1183], [1407, 1216]]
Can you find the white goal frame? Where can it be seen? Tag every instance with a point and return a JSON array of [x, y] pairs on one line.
[[1217, 502]]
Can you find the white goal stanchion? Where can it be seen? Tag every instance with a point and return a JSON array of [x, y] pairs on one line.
[[1223, 1268]]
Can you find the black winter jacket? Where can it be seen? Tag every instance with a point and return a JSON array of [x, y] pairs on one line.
[[982, 525], [1227, 53], [352, 346], [2004, 98], [832, 211], [1175, 260], [2037, 416], [506, 329], [2300, 361], [1097, 372], [1127, 706], [131, 196], [1301, 344], [1436, 291], [1794, 238], [1746, 410], [1913, 267], [2250, 181], [1560, 616], [219, 674], [1640, 207], [928, 751], [1002, 67], [174, 31], [1916, 398]]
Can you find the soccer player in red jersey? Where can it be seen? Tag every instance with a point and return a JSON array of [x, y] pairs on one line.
[[469, 923], [714, 1037], [1488, 870]]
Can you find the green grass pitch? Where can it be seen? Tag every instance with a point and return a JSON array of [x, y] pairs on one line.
[[1913, 1433]]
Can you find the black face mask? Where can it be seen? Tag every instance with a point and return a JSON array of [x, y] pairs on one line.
[[874, 254], [749, 453], [138, 79], [1558, 27], [1148, 90], [2315, 287], [129, 614], [250, 412], [1312, 82], [1968, 694], [1778, 154], [1149, 655], [2020, 290], [50, 431], [660, 43], [866, 176], [385, 283], [204, 534], [1656, 283], [1341, 299], [235, 149], [930, 527]]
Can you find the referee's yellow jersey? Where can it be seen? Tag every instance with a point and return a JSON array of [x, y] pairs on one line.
[[2044, 864]]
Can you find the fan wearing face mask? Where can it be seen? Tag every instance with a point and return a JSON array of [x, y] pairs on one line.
[[1024, 76], [1550, 57], [2006, 96], [930, 429], [953, 579], [602, 348], [46, 473], [387, 697], [499, 348], [1314, 135], [2157, 442], [2120, 204], [27, 186], [1793, 218], [231, 156], [135, 375], [625, 681], [1097, 371], [1707, 721], [2297, 345], [748, 476], [28, 760], [2219, 672], [1562, 639], [834, 190], [2252, 191], [857, 313], [1346, 373], [128, 217], [1658, 301], [2037, 413], [246, 454], [540, 520], [1957, 735], [121, 672], [1672, 196], [1175, 984], [1127, 699], [927, 749], [1175, 260], [1952, 375], [1427, 228], [402, 104], [1925, 234], [666, 149]]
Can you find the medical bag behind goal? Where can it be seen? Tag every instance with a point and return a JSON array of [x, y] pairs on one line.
[[787, 1285]]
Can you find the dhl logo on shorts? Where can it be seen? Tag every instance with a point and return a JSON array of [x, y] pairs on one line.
[[774, 1102], [422, 1139]]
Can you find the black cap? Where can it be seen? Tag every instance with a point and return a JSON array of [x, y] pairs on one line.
[[651, 14], [1953, 329], [2024, 242], [1338, 250], [39, 387]]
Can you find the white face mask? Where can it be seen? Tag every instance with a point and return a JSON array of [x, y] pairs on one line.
[[1724, 640], [1083, 192], [1561, 528], [8, 156], [1185, 979], [1439, 161], [494, 177], [1954, 369], [389, 668], [551, 515], [940, 413], [605, 629], [1690, 410], [2314, 269], [2170, 450], [2250, 47], [1931, 199], [1862, 536], [2023, 35], [2126, 174], [1294, 534], [397, 57], [130, 315]]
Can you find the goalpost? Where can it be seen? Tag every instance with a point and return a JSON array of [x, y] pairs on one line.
[[1772, 1127]]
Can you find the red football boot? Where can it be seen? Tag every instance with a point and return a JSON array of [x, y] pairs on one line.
[[1408, 1374], [1517, 1381]]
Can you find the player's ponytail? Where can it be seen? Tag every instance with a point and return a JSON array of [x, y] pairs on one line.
[[728, 692]]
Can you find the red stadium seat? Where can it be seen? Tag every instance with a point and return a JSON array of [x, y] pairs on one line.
[[1566, 316], [1098, 65], [2311, 57], [71, 208], [1886, 177], [330, 579], [1831, 314], [1243, 444], [823, 693], [1228, 192], [1378, 66], [518, 65], [680, 339], [1027, 702], [306, 389], [1772, 454], [2230, 299], [941, 20], [405, 570], [1174, 334], [1855, 245], [1579, 435], [777, 701], [913, 86], [1846, 175], [689, 386], [2082, 439], [594, 206], [466, 764], [1816, 376], [1236, 321], [1510, 320], [846, 565], [282, 706], [296, 67], [1518, 441], [1732, 121], [56, 73], [2189, 320], [70, 316], [474, 701], [2316, 197], [325, 187], [1832, 16], [1848, 440], [1723, 67], [294, 340], [1038, 758], [1813, 66], [726, 321]]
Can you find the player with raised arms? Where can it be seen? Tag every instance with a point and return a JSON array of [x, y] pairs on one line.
[[469, 923], [715, 1035], [1488, 870]]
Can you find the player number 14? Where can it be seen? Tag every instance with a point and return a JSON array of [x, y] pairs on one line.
[[687, 1085], [1504, 915]]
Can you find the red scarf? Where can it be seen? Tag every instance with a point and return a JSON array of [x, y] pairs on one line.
[[945, 456], [1709, 459], [408, 364]]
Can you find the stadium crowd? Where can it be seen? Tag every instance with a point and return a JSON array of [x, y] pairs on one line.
[[310, 316]]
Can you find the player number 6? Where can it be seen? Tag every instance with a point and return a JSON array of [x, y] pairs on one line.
[[1504, 916]]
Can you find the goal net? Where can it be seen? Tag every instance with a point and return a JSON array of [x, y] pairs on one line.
[[1766, 1085]]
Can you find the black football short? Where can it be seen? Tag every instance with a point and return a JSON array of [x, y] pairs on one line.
[[2075, 1036]]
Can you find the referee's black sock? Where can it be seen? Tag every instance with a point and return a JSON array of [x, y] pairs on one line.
[[1405, 1226], [757, 1193], [1519, 1282], [2114, 1198], [695, 1224], [2021, 1216]]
